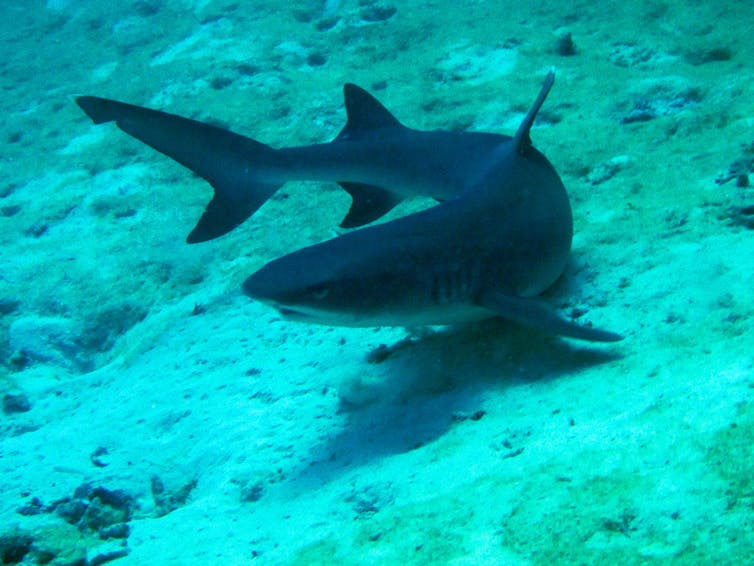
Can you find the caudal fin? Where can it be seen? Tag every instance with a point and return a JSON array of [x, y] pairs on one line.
[[226, 160]]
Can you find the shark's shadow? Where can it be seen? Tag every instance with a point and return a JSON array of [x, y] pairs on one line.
[[422, 385]]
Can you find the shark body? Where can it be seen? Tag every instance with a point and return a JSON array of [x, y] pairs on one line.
[[501, 236]]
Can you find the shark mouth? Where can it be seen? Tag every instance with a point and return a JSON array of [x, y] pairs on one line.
[[292, 313]]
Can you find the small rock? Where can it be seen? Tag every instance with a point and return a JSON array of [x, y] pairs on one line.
[[460, 416], [328, 23], [631, 55], [165, 501], [565, 46], [71, 510], [15, 403], [34, 507], [100, 515], [98, 457], [8, 306], [10, 210], [377, 13], [607, 170], [119, 530], [316, 59], [701, 56], [253, 492], [106, 553]]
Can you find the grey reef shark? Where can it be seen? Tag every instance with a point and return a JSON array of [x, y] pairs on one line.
[[500, 235]]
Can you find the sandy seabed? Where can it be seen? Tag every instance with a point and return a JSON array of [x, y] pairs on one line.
[[155, 415]]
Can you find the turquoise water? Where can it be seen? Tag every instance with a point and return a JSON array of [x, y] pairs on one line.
[[153, 414]]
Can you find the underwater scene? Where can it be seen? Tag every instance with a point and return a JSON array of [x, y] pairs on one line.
[[358, 282]]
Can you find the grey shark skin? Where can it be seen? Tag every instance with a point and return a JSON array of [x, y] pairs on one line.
[[375, 158], [483, 253]]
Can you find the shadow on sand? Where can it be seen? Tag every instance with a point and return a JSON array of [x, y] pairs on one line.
[[414, 390]]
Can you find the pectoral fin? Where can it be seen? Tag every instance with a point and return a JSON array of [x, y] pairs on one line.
[[532, 313]]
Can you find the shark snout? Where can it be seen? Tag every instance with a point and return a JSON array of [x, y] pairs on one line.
[[259, 287]]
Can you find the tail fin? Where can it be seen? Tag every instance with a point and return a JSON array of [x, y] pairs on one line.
[[221, 157]]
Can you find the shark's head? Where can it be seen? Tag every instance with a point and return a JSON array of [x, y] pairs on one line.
[[313, 285], [371, 277]]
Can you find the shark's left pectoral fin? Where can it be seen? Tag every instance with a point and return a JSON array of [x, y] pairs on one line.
[[369, 203], [530, 312]]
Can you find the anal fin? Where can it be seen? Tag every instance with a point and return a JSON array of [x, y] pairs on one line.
[[532, 313]]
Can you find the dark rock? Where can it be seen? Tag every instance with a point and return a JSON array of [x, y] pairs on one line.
[[219, 83], [740, 216], [304, 16], [18, 360], [253, 492], [34, 507], [8, 190], [247, 70], [98, 457], [316, 59], [95, 508], [701, 56], [327, 23], [740, 168], [147, 7], [14, 547], [377, 12], [107, 554], [100, 515], [565, 46], [10, 210], [460, 416], [37, 230], [116, 498], [641, 112], [8, 306], [165, 501], [118, 530], [15, 403], [71, 510]]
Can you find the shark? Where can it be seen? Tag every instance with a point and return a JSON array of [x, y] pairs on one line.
[[488, 251], [500, 236]]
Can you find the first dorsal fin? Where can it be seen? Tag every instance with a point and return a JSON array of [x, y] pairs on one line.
[[365, 113], [522, 140]]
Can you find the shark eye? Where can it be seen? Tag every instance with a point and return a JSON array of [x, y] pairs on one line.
[[318, 292]]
